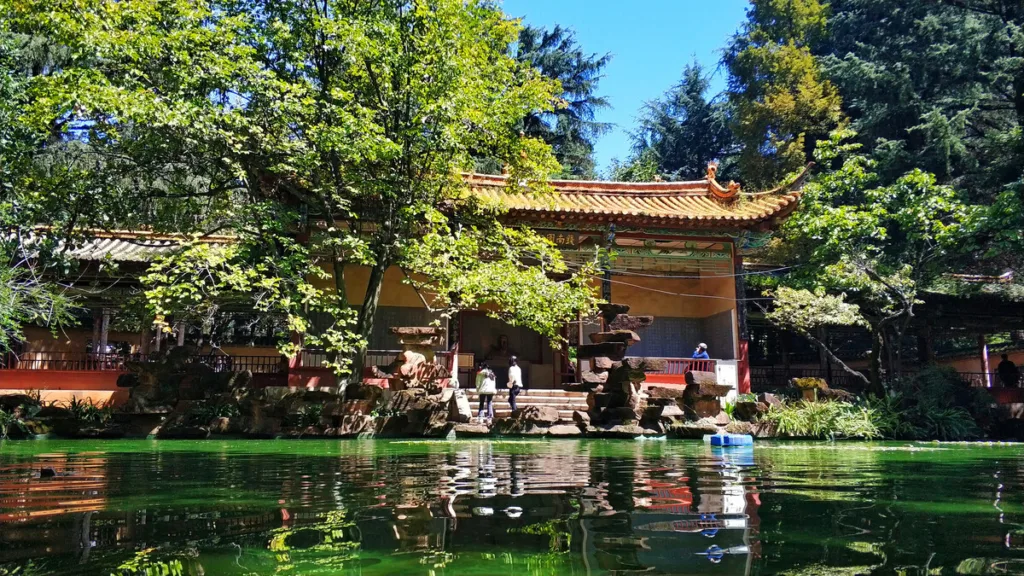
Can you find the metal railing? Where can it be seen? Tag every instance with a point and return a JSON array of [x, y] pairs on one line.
[[86, 362], [64, 361]]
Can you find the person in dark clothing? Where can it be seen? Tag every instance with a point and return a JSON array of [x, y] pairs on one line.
[[1008, 372]]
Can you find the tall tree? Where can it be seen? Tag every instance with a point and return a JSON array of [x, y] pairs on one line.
[[319, 134], [938, 86], [862, 250], [570, 128], [686, 129], [782, 103]]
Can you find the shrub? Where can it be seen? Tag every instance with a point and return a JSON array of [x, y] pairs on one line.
[[8, 422], [204, 412], [934, 405], [88, 413], [823, 420]]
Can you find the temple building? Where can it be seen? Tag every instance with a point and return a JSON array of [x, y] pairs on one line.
[[677, 251]]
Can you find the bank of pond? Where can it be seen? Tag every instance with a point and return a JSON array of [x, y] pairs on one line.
[[934, 405]]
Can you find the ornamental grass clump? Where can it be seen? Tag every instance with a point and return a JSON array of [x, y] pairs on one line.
[[823, 420]]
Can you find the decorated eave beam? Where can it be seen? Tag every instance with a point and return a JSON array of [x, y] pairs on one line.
[[698, 204]]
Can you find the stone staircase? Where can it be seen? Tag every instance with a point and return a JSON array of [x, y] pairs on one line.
[[564, 401]]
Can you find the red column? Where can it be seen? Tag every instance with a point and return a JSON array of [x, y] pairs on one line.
[[743, 367]]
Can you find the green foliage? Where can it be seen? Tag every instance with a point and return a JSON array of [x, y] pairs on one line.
[[823, 420], [863, 251], [683, 132], [319, 139], [203, 412], [309, 415], [556, 529], [505, 271], [746, 398], [641, 167], [87, 413], [782, 102], [144, 563], [803, 310], [8, 421], [570, 128], [934, 405]]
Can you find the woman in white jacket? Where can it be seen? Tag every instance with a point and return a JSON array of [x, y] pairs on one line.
[[486, 387]]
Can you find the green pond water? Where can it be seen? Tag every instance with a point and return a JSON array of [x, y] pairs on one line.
[[516, 507]]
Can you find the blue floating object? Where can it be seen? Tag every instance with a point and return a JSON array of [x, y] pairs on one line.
[[730, 439]]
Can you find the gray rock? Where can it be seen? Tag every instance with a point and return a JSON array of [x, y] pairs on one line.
[[616, 431], [459, 409], [668, 392], [541, 415], [627, 337], [693, 430], [564, 431], [581, 418], [471, 430]]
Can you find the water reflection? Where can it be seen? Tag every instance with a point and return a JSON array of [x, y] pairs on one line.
[[512, 508]]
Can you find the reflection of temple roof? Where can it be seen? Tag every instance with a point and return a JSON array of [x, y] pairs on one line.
[[693, 204]]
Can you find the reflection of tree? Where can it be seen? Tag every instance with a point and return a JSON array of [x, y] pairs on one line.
[[313, 548]]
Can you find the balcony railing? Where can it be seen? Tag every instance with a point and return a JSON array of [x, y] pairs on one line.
[[86, 362], [679, 366], [773, 377]]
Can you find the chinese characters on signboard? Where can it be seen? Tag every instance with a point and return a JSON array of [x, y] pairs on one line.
[[563, 239]]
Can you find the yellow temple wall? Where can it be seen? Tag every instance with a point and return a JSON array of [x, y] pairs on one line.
[[394, 292], [661, 296]]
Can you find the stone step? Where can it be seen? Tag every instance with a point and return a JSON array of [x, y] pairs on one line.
[[560, 404], [536, 392], [505, 412], [503, 400]]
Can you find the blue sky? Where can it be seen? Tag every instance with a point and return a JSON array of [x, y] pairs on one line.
[[650, 42]]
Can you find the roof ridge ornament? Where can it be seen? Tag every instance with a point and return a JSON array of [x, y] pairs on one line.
[[727, 193]]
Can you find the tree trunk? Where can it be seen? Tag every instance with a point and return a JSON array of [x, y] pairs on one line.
[[367, 313], [833, 359], [875, 385]]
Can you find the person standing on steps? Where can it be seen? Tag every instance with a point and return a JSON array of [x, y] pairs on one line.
[[515, 381], [486, 387]]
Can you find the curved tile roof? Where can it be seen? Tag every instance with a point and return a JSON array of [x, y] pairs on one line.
[[693, 204]]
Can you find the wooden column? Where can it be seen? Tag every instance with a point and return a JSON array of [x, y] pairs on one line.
[[158, 338], [97, 322], [179, 328], [983, 350], [104, 330]]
